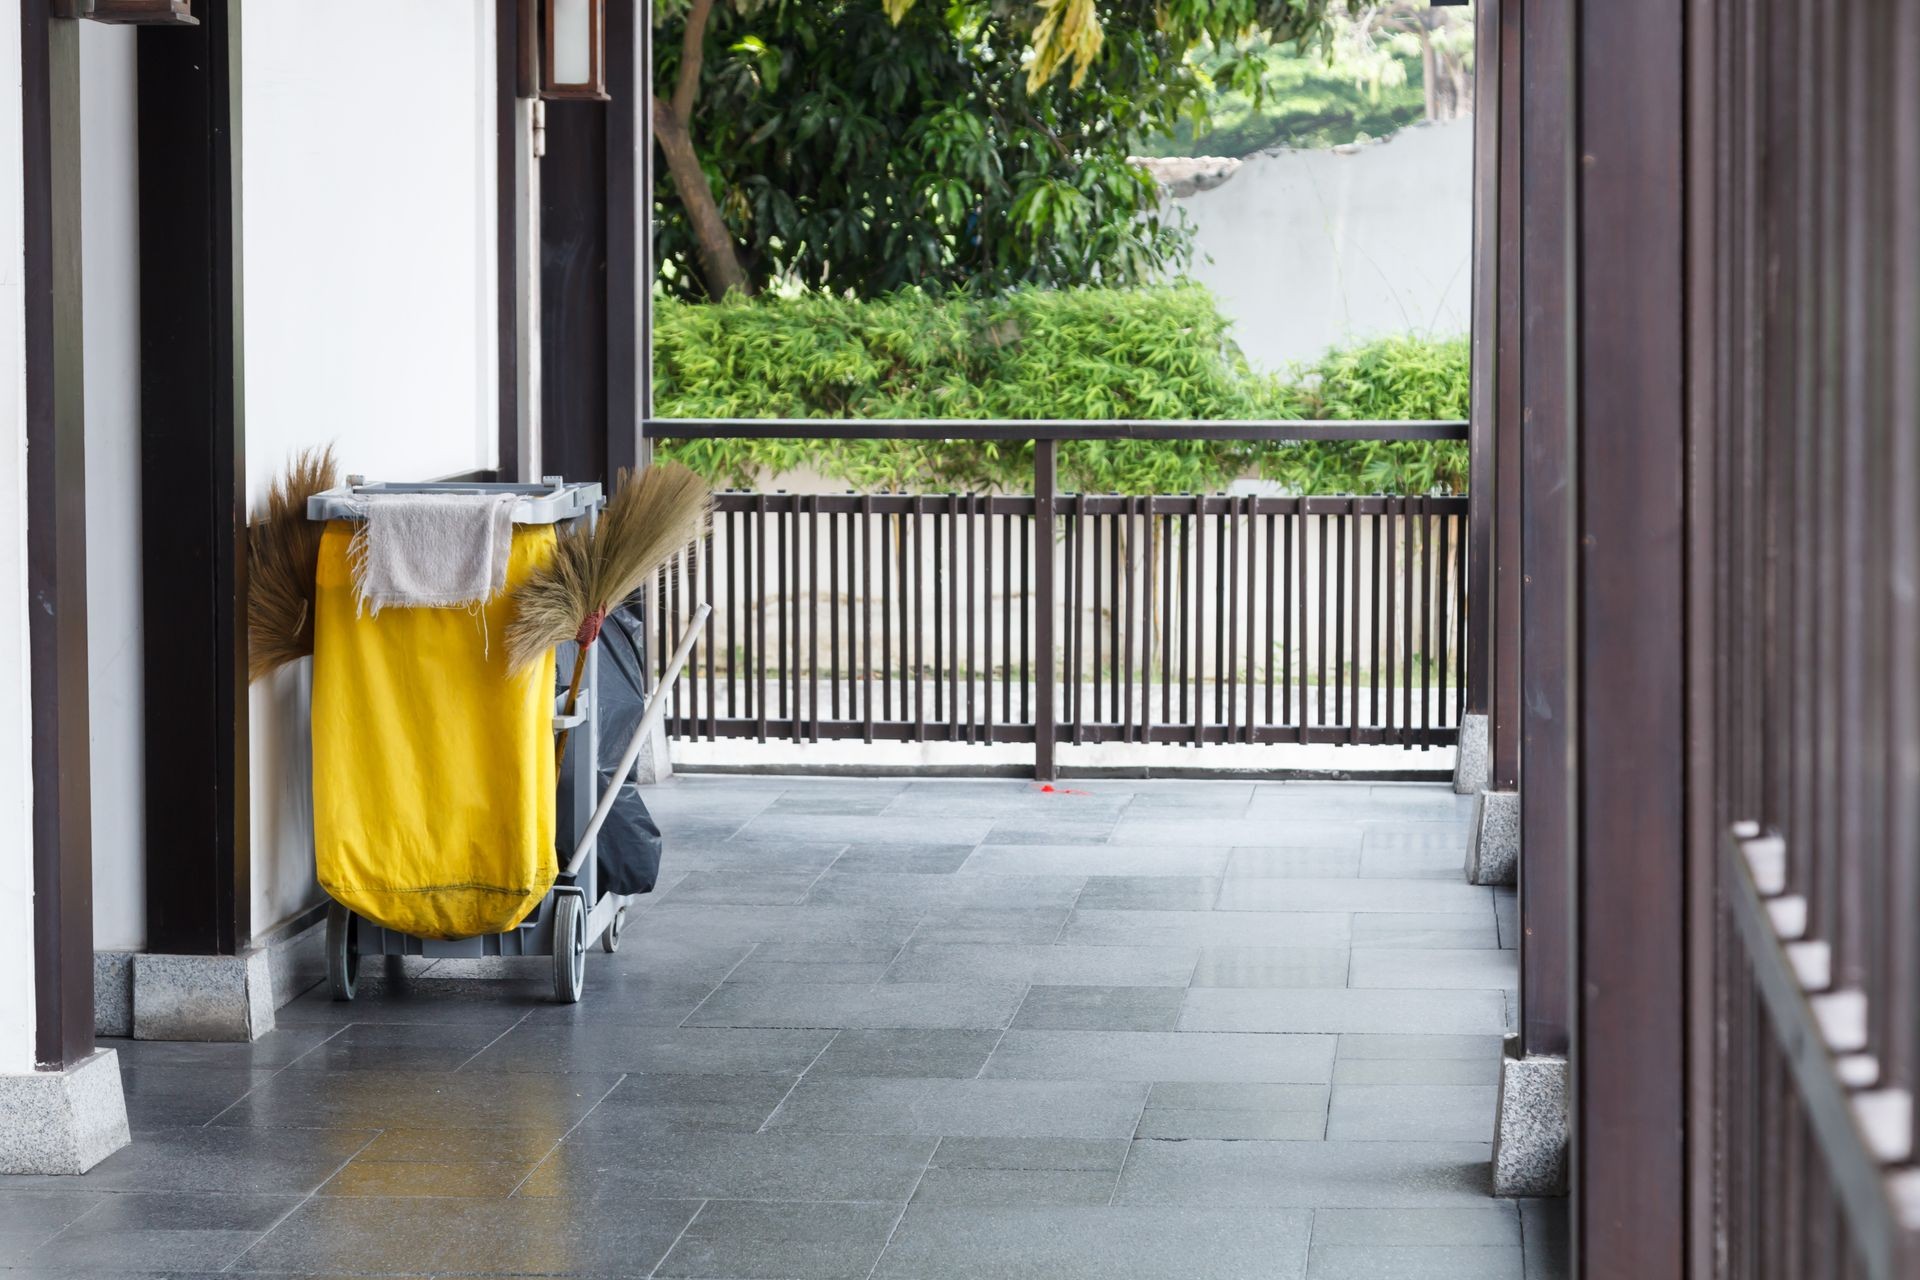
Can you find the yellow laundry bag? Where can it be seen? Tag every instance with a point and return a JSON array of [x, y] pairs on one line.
[[433, 773]]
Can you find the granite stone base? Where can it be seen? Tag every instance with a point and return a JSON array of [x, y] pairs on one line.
[[113, 993], [163, 997], [1530, 1132], [62, 1122], [1472, 769], [1493, 839], [202, 997]]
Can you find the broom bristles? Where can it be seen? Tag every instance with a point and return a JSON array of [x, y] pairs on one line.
[[283, 551], [646, 523]]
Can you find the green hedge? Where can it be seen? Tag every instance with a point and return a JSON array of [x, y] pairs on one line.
[[1161, 352]]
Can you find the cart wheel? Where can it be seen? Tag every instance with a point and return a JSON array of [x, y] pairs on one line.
[[610, 940], [343, 951], [569, 947]]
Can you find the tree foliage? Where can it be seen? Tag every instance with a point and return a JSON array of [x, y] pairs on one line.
[[1161, 352], [977, 145]]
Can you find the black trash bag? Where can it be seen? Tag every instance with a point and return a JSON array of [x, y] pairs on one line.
[[629, 845]]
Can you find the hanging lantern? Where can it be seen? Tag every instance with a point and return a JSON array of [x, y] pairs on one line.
[[573, 55], [170, 13], [131, 12]]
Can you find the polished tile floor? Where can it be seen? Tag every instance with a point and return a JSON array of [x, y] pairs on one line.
[[887, 1029]]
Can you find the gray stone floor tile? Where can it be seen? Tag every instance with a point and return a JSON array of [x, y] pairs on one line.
[[1544, 1237], [963, 1108], [916, 1006], [1496, 1226], [1094, 860], [782, 973], [1271, 967], [274, 1050], [86, 1248], [1424, 896], [782, 1241], [1209, 928], [520, 1145], [838, 801], [776, 1165], [1187, 832], [1150, 893], [1475, 1048], [1438, 969], [1019, 1187], [1043, 829], [1063, 1008], [1162, 1056], [376, 1099], [1033, 1154], [1506, 912], [31, 1215], [1321, 1175], [173, 1097], [903, 859], [742, 856], [394, 1179], [1329, 1012], [1414, 864], [1424, 837], [996, 926], [1433, 1262], [1069, 1243], [1289, 864], [1240, 1112], [1047, 965], [1449, 1071], [1407, 1113], [891, 827], [947, 1055], [1215, 799], [406, 1046], [692, 1051], [262, 1161], [1418, 930], [672, 1103], [626, 999], [748, 888], [904, 891]]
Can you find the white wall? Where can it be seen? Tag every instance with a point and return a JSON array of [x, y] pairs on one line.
[[16, 776], [110, 252], [1308, 250], [369, 196]]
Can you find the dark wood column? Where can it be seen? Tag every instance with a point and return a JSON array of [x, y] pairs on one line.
[[193, 469], [1499, 408], [507, 223], [590, 259], [1485, 340], [56, 540], [1629, 1166], [1548, 677]]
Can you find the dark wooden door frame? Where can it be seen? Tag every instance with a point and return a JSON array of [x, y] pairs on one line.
[[56, 540], [508, 206], [193, 455], [592, 290]]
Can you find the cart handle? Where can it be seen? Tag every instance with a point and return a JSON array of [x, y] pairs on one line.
[[656, 705]]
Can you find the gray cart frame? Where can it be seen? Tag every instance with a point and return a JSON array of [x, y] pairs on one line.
[[574, 914]]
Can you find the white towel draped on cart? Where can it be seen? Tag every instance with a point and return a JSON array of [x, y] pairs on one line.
[[432, 550]]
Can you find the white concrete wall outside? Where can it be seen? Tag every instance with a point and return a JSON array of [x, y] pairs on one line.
[[110, 252], [1308, 250], [369, 241], [16, 734]]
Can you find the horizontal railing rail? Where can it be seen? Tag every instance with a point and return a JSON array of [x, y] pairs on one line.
[[1266, 430], [1049, 618]]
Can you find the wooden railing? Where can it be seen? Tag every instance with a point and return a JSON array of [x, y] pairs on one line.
[[1074, 618]]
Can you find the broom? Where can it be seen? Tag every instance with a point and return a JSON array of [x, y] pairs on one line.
[[283, 550], [593, 571]]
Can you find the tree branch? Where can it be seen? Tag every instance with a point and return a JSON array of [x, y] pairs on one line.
[[693, 52]]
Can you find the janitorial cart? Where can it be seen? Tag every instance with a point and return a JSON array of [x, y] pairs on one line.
[[443, 825]]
